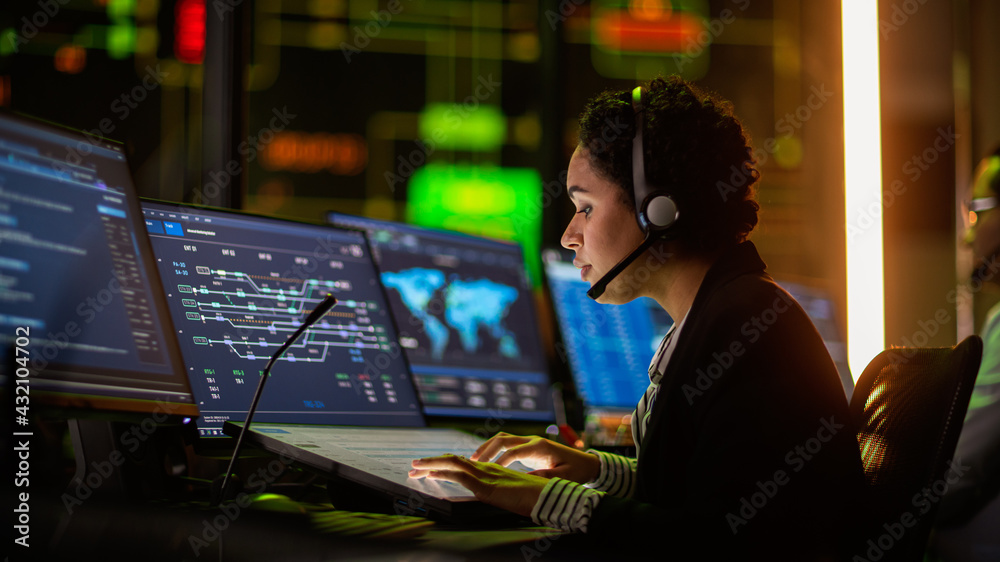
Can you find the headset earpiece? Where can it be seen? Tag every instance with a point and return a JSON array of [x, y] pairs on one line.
[[655, 209]]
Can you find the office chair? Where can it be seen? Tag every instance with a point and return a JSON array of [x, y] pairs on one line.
[[908, 407]]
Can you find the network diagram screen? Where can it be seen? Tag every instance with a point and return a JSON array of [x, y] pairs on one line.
[[238, 285]]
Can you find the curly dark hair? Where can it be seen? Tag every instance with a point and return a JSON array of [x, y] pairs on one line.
[[694, 146]]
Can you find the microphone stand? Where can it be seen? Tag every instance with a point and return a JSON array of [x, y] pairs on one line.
[[320, 311]]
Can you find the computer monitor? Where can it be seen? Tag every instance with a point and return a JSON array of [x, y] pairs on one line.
[[467, 320], [239, 284], [86, 333], [608, 347], [85, 323]]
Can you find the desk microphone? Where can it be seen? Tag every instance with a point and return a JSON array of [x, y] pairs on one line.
[[598, 289], [219, 490]]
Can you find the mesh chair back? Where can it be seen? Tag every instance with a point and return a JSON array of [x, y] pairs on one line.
[[908, 406]]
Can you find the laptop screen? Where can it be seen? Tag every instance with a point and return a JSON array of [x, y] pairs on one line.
[[238, 285], [609, 347], [83, 311], [467, 320]]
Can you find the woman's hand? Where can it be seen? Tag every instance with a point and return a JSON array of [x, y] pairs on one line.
[[493, 484], [503, 487], [550, 459]]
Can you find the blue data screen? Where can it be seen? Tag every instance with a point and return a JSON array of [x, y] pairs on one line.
[[76, 281], [609, 347]]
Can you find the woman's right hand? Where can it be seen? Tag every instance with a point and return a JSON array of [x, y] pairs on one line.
[[555, 459]]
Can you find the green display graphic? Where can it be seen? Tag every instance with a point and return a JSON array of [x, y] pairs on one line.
[[504, 203]]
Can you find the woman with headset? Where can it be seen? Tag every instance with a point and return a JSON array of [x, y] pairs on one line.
[[744, 442]]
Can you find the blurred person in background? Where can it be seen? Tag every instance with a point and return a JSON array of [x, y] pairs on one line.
[[968, 521]]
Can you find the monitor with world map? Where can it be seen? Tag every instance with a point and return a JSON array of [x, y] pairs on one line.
[[466, 318]]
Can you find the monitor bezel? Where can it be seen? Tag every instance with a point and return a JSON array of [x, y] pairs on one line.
[[80, 398], [223, 445], [474, 423]]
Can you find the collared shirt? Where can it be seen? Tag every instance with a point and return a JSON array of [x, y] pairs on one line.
[[567, 505]]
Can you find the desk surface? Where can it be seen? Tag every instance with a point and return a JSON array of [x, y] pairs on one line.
[[113, 531]]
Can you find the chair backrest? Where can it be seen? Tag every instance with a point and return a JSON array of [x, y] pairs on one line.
[[908, 407]]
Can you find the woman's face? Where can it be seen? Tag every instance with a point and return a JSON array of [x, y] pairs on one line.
[[603, 230]]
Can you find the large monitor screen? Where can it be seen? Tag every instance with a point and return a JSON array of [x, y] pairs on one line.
[[467, 320], [83, 311], [609, 347], [238, 285]]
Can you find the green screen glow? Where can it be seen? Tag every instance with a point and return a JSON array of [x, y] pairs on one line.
[[503, 203], [463, 126]]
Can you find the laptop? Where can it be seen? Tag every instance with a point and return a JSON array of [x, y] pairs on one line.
[[467, 321], [341, 399]]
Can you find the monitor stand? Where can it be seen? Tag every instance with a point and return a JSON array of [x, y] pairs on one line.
[[121, 461]]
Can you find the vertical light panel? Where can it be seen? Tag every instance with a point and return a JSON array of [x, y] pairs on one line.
[[863, 183]]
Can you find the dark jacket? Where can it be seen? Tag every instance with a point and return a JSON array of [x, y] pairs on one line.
[[749, 449]]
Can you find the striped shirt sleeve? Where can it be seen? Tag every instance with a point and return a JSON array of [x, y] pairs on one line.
[[617, 475], [565, 505]]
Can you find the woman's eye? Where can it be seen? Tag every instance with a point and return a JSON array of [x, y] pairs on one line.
[[586, 211]]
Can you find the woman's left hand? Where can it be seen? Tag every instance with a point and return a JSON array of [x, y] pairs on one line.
[[491, 483]]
